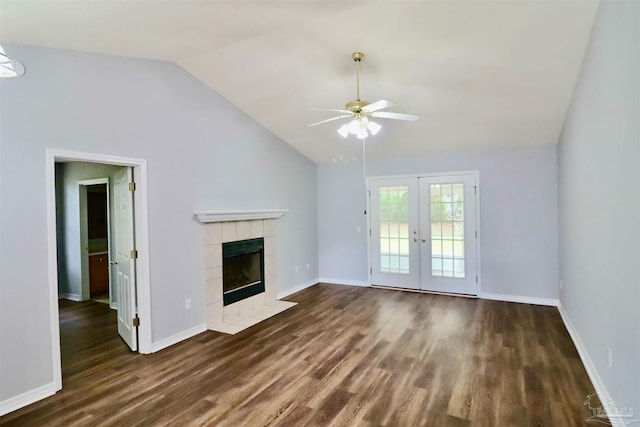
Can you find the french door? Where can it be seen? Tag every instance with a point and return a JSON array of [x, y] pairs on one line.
[[424, 232]]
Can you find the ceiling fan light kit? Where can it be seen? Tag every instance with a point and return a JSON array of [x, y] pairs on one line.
[[360, 111]]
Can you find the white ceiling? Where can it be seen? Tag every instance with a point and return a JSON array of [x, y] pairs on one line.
[[480, 73]]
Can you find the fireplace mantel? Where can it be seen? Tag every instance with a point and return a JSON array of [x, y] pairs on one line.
[[246, 215]]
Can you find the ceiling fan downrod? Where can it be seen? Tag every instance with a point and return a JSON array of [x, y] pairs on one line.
[[357, 57]]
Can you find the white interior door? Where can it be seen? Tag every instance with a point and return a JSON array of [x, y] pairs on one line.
[[124, 263], [394, 233], [448, 232]]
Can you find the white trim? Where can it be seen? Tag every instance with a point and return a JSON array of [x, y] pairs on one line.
[[180, 336], [520, 299], [245, 215], [360, 283], [70, 297], [142, 244], [84, 235], [479, 236], [54, 321], [27, 398], [422, 291], [295, 289], [95, 181], [592, 372], [426, 175]]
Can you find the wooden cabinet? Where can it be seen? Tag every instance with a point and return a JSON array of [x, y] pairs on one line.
[[98, 274]]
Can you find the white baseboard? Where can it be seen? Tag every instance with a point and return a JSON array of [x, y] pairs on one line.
[[70, 297], [291, 291], [602, 391], [520, 299], [27, 398], [344, 282], [180, 336]]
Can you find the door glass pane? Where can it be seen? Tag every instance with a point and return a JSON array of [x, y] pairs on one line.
[[447, 230], [394, 229]]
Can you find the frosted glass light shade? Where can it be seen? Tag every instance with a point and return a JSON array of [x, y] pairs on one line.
[[360, 127], [354, 126], [373, 127]]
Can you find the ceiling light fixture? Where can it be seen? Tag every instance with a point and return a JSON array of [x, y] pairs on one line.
[[360, 127], [9, 68], [361, 111]]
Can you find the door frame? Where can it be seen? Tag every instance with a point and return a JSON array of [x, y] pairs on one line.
[[476, 173], [141, 222], [84, 235]]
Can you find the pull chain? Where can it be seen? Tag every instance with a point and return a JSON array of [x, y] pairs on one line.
[[364, 172]]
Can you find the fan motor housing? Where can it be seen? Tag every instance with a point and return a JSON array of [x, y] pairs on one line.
[[356, 106]]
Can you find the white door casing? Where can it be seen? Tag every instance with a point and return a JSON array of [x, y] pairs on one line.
[[436, 237], [124, 262], [145, 343]]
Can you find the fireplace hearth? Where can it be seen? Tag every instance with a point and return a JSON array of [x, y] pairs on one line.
[[242, 269]]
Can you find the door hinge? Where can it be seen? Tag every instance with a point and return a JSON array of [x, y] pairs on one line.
[[475, 189], [134, 254], [476, 234], [476, 279], [136, 321], [371, 270], [132, 186]]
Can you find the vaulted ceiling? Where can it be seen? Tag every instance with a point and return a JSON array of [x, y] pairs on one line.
[[479, 73]]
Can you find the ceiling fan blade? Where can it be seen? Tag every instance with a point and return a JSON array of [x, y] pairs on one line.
[[329, 109], [396, 116], [329, 120], [378, 105]]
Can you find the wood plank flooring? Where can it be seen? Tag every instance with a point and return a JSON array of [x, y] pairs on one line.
[[344, 356]]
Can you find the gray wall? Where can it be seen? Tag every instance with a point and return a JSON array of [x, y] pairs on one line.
[[599, 178], [518, 216], [68, 219], [202, 153]]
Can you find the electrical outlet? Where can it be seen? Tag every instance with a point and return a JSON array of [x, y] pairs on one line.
[[308, 265], [296, 268], [609, 357], [187, 304]]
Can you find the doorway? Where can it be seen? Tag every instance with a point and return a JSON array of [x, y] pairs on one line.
[[424, 232], [95, 240], [138, 320]]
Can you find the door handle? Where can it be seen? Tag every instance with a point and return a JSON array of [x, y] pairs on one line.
[[424, 240]]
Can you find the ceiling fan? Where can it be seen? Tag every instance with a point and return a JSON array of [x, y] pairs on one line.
[[360, 111]]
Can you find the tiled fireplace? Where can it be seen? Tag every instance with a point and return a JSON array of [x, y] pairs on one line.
[[244, 228]]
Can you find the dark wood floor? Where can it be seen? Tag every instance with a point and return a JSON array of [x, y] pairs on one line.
[[343, 356]]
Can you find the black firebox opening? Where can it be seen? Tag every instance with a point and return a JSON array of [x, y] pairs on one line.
[[242, 269]]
